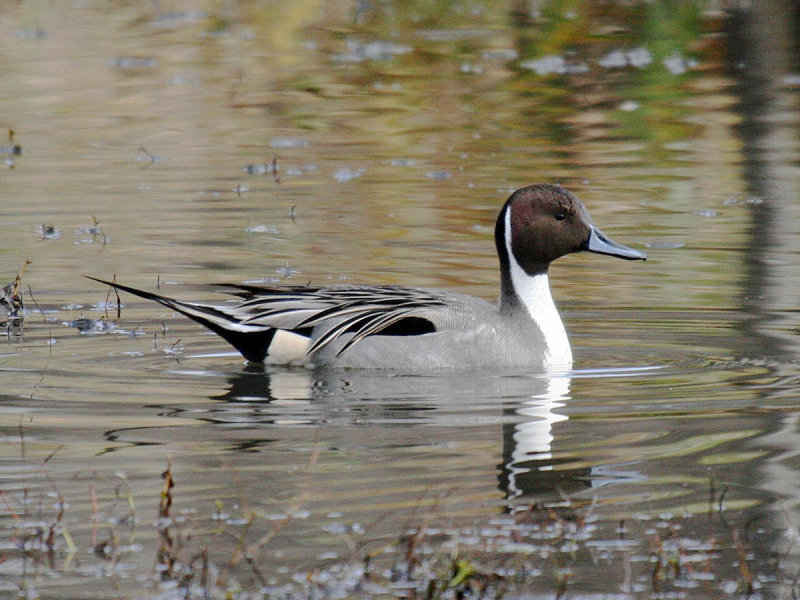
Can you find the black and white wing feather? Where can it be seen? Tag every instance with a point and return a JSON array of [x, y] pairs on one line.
[[322, 315]]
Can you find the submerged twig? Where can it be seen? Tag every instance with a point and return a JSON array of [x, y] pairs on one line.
[[151, 157], [108, 297], [166, 551], [36, 304]]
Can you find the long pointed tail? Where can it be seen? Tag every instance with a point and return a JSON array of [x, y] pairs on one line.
[[252, 341]]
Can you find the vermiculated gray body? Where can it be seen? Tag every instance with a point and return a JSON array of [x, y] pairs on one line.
[[469, 335]]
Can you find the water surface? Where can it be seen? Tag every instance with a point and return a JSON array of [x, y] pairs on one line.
[[173, 147]]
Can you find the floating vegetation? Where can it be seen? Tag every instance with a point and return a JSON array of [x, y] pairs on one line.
[[664, 245], [87, 326], [286, 271], [95, 230], [678, 65], [287, 142], [555, 65], [48, 231], [500, 54], [470, 69], [221, 550], [176, 349], [134, 62], [738, 199], [346, 174], [708, 213], [629, 106], [272, 169], [107, 305], [265, 169], [104, 306], [103, 325], [293, 171], [270, 229], [403, 162], [638, 57], [11, 150], [358, 51], [11, 305]]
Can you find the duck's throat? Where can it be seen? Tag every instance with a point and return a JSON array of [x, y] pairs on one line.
[[533, 293]]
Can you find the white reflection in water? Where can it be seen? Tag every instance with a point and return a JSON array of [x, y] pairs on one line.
[[533, 438], [531, 469]]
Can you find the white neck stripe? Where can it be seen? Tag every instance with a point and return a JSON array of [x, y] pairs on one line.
[[534, 293]]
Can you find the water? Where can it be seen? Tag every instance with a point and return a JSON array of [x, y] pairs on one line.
[[174, 146]]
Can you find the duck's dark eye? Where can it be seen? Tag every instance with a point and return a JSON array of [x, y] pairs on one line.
[[560, 216]]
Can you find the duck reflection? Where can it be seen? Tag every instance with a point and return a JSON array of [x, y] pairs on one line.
[[530, 472], [528, 409]]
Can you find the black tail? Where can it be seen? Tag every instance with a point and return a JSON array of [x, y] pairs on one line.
[[253, 342]]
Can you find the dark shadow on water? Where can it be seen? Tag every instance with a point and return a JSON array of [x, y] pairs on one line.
[[762, 49]]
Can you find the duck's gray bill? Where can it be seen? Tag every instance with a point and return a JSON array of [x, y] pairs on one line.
[[598, 242]]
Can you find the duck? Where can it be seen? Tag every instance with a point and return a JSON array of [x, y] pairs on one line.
[[413, 329]]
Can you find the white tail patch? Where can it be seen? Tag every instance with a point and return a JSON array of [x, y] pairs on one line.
[[534, 291], [288, 347]]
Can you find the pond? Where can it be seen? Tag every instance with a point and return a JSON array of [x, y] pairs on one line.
[[175, 145]]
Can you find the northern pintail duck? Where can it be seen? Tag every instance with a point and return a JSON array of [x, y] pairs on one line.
[[414, 329]]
